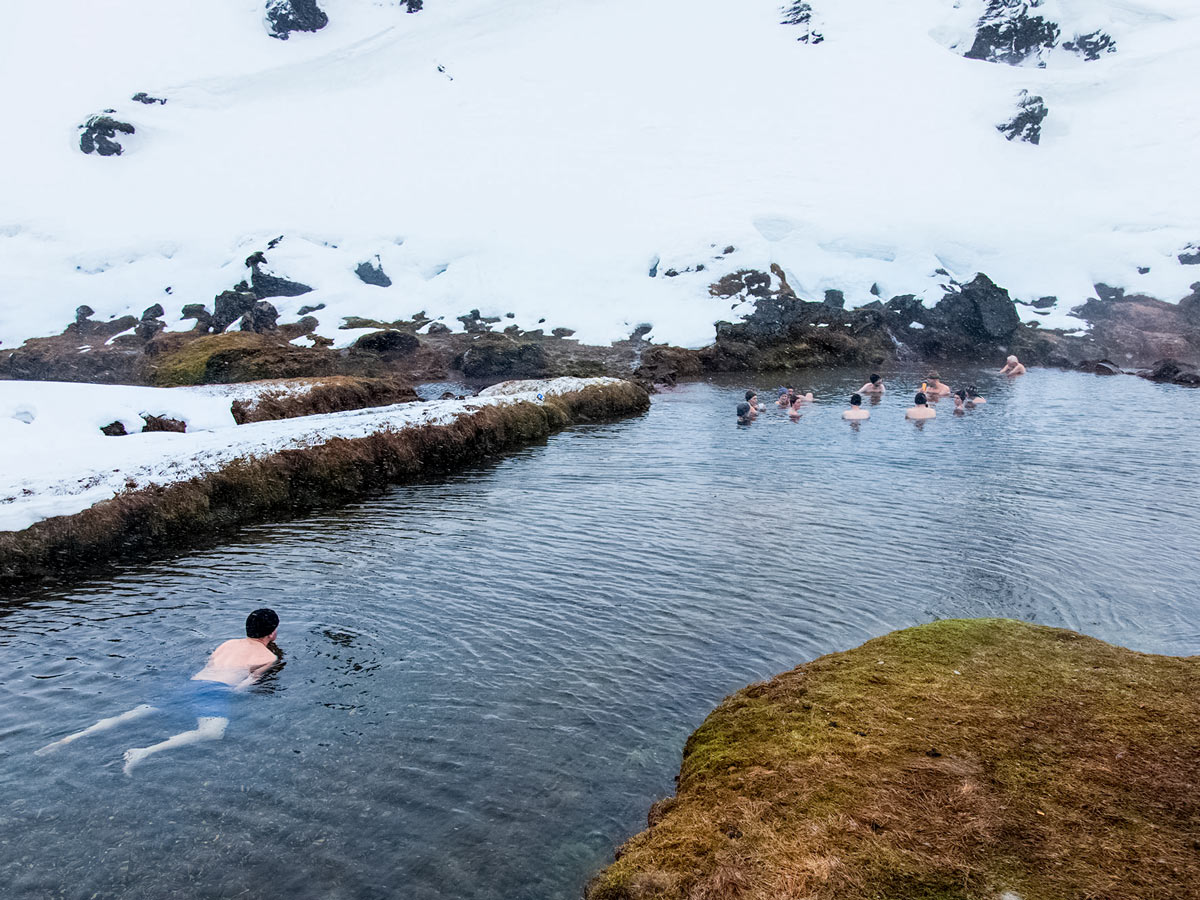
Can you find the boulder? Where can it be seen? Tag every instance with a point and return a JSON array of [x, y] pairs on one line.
[[153, 312], [163, 423], [83, 313], [285, 16], [388, 343], [1100, 367], [1091, 45], [500, 356], [372, 273], [979, 310], [229, 306], [835, 298], [99, 135], [143, 97], [261, 318], [1172, 371]]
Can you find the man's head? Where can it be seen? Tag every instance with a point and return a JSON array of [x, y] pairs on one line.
[[874, 379], [856, 400], [934, 377], [743, 410], [1012, 360], [751, 397], [261, 623], [920, 399]]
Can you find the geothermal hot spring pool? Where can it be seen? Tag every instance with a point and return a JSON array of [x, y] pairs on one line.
[[489, 678]]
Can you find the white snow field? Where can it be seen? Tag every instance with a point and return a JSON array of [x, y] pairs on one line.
[[539, 157], [54, 461]]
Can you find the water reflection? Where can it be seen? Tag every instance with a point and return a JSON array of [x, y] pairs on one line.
[[490, 677]]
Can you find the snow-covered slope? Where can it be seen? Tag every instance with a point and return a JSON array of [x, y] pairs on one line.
[[543, 157]]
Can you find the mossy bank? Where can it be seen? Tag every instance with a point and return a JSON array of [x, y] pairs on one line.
[[961, 760], [161, 519]]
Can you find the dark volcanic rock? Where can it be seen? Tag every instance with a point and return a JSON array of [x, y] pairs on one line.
[[264, 285], [1008, 33], [83, 313], [799, 13], [980, 310], [143, 97], [305, 310], [99, 134], [261, 318], [1190, 255], [389, 343], [474, 323], [1091, 45], [153, 312], [162, 423], [372, 273], [1172, 371], [199, 312], [229, 306], [835, 299], [500, 356], [414, 6], [114, 429], [286, 16], [1026, 125], [1100, 367]]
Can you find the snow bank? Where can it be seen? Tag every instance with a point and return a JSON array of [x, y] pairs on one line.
[[54, 461], [542, 158]]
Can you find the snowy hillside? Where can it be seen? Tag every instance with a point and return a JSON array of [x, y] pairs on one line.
[[560, 159]]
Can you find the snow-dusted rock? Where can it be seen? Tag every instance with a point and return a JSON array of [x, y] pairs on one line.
[[1026, 125], [372, 273], [799, 13], [100, 132], [285, 16]]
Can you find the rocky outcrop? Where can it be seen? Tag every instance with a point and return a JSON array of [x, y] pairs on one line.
[[285, 16], [1172, 371], [143, 97], [389, 343], [261, 318], [100, 132], [265, 285], [1026, 125], [799, 14], [229, 306], [1008, 32], [1090, 46], [372, 273], [501, 356]]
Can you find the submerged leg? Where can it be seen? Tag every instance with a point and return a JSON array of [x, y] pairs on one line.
[[103, 725], [208, 728]]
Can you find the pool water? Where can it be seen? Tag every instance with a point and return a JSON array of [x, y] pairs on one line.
[[490, 677]]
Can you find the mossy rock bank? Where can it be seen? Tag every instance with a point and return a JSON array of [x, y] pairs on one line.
[[970, 759]]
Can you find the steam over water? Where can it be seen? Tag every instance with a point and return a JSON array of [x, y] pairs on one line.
[[490, 678]]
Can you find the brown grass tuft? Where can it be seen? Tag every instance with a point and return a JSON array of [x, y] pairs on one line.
[[335, 393], [954, 761]]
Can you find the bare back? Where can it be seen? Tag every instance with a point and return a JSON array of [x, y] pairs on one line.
[[236, 660]]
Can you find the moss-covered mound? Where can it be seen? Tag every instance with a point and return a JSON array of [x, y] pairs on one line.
[[961, 760]]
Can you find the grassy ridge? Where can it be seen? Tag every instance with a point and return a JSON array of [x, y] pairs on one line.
[[960, 760], [159, 520]]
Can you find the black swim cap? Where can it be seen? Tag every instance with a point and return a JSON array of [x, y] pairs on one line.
[[855, 399], [261, 622], [920, 399]]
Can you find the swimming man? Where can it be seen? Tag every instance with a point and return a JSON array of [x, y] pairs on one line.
[[935, 388], [233, 666]]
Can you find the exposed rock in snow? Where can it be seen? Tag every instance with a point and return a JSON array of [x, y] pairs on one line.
[[143, 97], [800, 13], [285, 16], [388, 343], [1091, 45], [1026, 125], [265, 285], [100, 132], [1190, 255], [372, 273], [1009, 33], [262, 317]]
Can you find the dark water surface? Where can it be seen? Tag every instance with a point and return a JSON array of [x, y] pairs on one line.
[[491, 677]]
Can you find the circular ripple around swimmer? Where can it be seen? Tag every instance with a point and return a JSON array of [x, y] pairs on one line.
[[489, 677]]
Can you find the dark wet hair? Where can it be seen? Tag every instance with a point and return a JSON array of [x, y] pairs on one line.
[[750, 394], [261, 622], [855, 399], [961, 395], [874, 379], [743, 410], [920, 399]]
